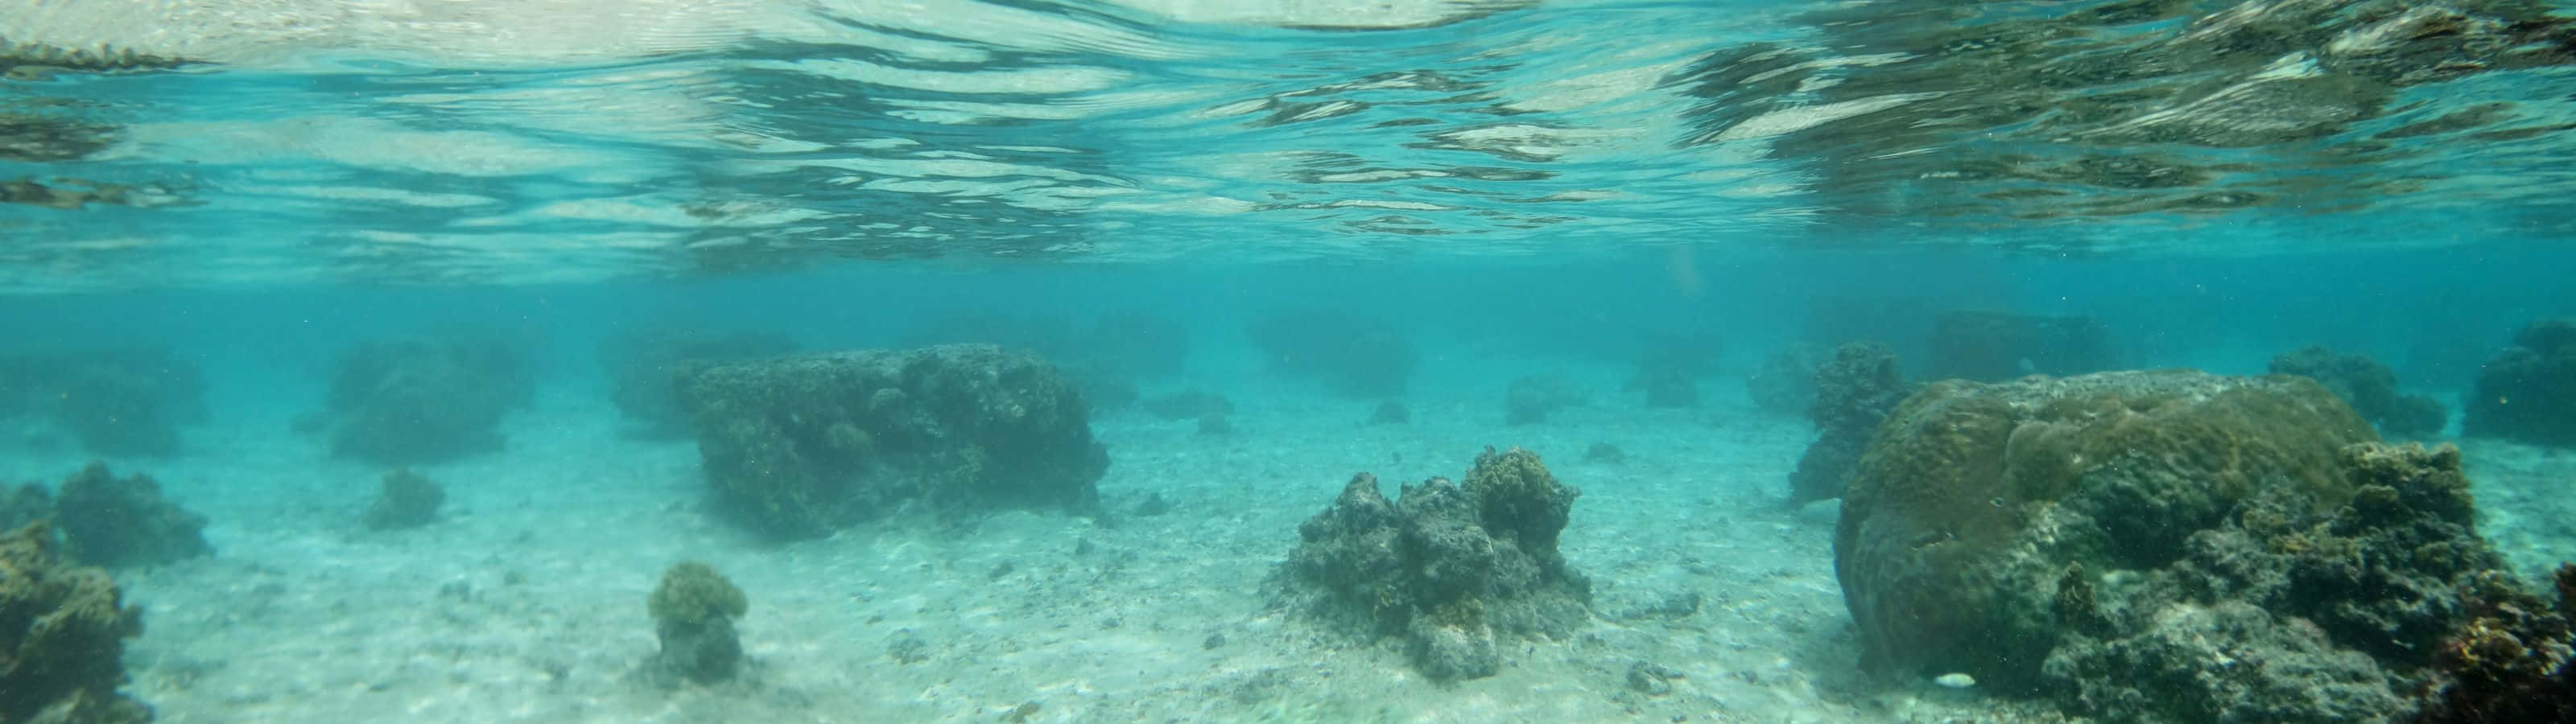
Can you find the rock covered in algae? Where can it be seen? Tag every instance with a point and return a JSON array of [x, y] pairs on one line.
[[1454, 570], [62, 637], [2158, 546], [799, 446]]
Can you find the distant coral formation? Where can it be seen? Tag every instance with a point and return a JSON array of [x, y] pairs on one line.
[[1670, 365], [1854, 391], [693, 613], [114, 402], [799, 446], [641, 365], [1997, 346], [1457, 571], [419, 401], [2159, 546], [2370, 387], [1529, 398], [1785, 383], [62, 637], [1351, 353], [115, 522], [2528, 392]]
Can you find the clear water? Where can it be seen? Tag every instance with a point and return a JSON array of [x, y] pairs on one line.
[[1519, 186]]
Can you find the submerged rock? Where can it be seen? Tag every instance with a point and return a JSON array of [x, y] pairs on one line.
[[799, 446], [1452, 569]]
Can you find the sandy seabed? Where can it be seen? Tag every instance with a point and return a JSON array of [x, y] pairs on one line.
[[525, 601]]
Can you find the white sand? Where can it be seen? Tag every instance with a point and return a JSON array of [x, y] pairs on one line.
[[525, 602]]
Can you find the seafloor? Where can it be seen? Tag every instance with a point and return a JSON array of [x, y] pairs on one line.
[[525, 602]]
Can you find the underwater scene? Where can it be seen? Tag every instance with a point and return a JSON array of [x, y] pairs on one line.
[[1020, 361]]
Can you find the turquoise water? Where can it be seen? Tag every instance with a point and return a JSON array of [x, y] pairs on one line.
[[1512, 189]]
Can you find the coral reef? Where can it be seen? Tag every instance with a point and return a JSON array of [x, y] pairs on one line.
[[1452, 569], [2158, 546], [115, 522], [1530, 398], [115, 402], [639, 364], [2528, 392], [417, 401], [1997, 346], [1785, 384], [1854, 392], [2370, 387], [62, 637], [693, 613], [798, 446], [406, 500], [2514, 661], [1351, 353]]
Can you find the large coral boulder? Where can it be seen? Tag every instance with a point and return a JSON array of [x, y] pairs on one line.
[[1455, 570], [799, 446], [2165, 545], [62, 637], [2528, 392]]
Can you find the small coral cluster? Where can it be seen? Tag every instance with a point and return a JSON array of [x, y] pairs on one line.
[[1453, 569], [693, 613]]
